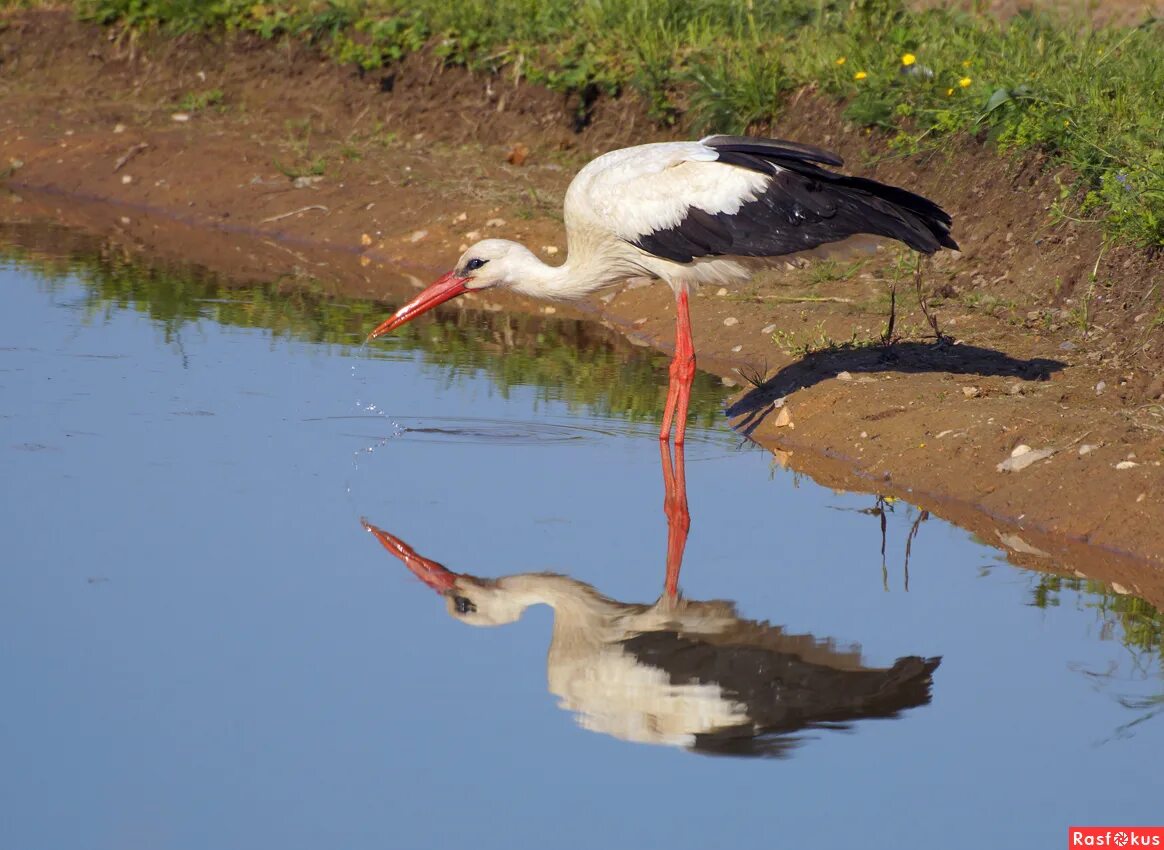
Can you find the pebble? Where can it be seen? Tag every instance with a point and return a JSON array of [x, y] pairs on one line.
[[473, 235], [1100, 387], [784, 418], [365, 239], [1087, 448], [1066, 346], [1022, 457], [417, 235], [768, 329], [736, 349], [731, 320], [721, 291], [461, 217], [549, 311], [180, 117], [974, 392], [126, 179], [844, 376], [1126, 464], [550, 249], [495, 222], [119, 128]]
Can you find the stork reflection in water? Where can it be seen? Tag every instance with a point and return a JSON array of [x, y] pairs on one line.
[[680, 672]]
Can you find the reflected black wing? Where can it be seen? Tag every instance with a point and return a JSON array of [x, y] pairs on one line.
[[781, 692]]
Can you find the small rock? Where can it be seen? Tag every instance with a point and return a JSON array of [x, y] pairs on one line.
[[125, 219], [721, 291], [417, 235], [844, 376], [1020, 460], [473, 235], [495, 222], [180, 117], [550, 249], [736, 349], [784, 418], [864, 435], [549, 311], [517, 155], [768, 329], [365, 239], [306, 181], [727, 382], [945, 433], [461, 217], [1015, 389], [1100, 387], [1087, 448], [1067, 346], [126, 179], [974, 392], [119, 128], [731, 320], [1126, 464]]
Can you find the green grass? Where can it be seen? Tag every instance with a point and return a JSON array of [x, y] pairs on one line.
[[1093, 99]]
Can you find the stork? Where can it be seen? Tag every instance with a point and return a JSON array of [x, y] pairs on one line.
[[680, 672], [689, 213]]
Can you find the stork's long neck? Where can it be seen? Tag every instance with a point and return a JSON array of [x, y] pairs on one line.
[[585, 270]]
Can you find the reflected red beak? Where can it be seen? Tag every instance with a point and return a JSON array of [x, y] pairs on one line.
[[449, 286], [431, 573]]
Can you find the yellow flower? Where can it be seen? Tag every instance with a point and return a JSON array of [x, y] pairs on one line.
[[841, 60], [860, 75], [908, 59], [965, 63], [965, 81], [949, 92]]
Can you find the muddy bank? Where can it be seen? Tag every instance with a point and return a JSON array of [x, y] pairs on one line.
[[304, 172]]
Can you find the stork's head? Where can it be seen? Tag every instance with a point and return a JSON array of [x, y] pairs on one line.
[[489, 263], [472, 600]]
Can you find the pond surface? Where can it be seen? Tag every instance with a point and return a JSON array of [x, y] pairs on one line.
[[202, 647]]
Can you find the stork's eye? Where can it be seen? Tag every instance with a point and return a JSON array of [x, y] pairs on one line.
[[463, 605], [474, 264]]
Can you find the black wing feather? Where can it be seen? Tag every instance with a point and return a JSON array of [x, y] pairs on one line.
[[803, 207]]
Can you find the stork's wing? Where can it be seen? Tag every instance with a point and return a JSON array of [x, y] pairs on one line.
[[747, 197]]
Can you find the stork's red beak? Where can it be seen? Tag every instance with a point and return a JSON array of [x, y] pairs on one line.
[[449, 286], [431, 573]]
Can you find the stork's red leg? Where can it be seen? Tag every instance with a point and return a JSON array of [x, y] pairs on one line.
[[678, 517], [682, 373]]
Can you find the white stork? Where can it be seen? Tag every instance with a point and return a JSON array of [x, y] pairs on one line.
[[689, 213], [680, 672]]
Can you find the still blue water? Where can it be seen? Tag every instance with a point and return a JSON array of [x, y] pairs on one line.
[[200, 646]]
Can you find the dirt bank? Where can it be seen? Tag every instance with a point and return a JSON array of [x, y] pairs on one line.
[[267, 162]]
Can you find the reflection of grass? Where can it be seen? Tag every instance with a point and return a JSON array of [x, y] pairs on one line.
[[1140, 625], [579, 363]]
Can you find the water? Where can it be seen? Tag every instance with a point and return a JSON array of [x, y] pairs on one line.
[[202, 647]]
